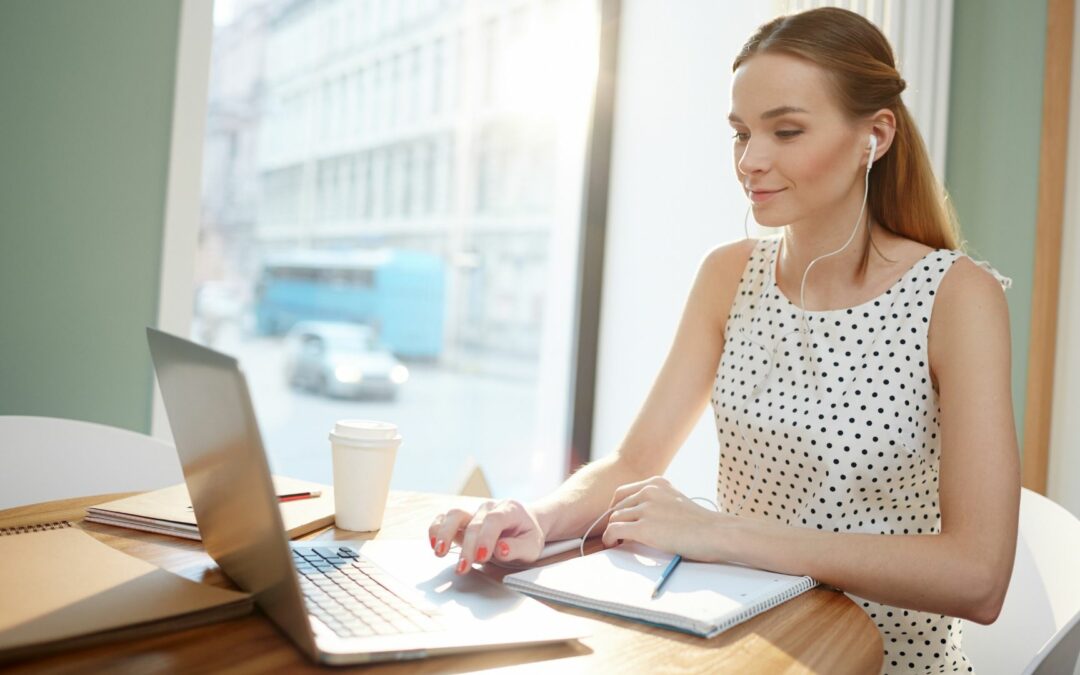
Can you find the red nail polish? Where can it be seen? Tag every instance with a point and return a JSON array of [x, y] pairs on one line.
[[433, 542], [504, 549], [481, 554], [440, 547], [461, 566]]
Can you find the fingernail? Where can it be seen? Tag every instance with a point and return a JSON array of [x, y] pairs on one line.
[[462, 565], [481, 554], [433, 543], [440, 547], [504, 549]]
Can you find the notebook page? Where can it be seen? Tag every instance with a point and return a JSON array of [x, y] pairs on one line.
[[706, 593]]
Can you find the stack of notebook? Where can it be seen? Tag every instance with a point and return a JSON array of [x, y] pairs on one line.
[[305, 507]]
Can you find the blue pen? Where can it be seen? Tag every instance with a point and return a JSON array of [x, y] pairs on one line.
[[665, 574]]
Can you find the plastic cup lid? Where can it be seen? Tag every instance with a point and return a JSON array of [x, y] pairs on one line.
[[365, 430]]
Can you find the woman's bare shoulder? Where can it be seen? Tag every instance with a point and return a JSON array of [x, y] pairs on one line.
[[720, 272], [970, 314], [728, 260], [968, 285]]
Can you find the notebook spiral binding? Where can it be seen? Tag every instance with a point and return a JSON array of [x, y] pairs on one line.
[[751, 612], [40, 527]]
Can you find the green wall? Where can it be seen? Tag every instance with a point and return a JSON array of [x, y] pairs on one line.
[[85, 117], [995, 124]]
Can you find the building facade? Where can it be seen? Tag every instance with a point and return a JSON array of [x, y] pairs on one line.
[[429, 125]]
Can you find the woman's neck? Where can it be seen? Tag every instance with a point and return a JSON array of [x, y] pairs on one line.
[[831, 276], [804, 243]]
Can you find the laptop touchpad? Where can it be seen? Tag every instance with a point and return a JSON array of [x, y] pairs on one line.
[[472, 595]]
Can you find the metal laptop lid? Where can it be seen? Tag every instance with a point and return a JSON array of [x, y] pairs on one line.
[[213, 422]]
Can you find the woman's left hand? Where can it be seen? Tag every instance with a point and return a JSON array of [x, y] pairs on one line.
[[654, 513]]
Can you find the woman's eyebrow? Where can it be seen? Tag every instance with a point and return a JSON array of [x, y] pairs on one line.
[[775, 112]]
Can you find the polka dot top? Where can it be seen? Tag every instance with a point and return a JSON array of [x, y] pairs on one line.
[[829, 420]]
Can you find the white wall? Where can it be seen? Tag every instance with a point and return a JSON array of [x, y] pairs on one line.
[[1063, 484], [673, 197]]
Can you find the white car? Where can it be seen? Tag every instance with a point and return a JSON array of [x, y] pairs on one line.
[[341, 359]]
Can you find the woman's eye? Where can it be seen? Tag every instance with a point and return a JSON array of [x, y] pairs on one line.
[[741, 137], [788, 133]]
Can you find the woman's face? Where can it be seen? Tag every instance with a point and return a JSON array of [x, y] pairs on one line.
[[797, 155]]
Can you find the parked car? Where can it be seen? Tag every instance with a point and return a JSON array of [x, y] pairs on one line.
[[341, 359]]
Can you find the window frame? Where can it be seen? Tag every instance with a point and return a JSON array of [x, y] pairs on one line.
[[183, 195]]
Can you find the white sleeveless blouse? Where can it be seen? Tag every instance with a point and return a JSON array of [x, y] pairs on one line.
[[831, 422]]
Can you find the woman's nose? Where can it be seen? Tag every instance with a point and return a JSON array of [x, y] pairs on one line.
[[753, 159]]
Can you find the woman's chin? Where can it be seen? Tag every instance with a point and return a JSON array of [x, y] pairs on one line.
[[767, 215], [770, 221]]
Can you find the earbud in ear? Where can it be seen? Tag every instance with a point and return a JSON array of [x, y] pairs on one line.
[[873, 151]]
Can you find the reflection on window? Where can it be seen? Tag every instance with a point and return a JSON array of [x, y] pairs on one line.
[[409, 170]]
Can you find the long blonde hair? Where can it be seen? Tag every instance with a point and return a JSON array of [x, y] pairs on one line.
[[905, 196]]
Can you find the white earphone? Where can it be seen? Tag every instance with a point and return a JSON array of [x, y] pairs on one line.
[[858, 221]]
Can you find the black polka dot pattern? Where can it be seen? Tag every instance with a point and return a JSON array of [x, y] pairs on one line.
[[829, 421]]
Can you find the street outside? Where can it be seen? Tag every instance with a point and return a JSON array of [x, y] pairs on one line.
[[446, 419]]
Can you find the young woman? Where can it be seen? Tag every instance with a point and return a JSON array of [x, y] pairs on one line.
[[857, 364]]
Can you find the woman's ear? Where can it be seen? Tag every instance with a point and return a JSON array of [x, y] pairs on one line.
[[883, 128]]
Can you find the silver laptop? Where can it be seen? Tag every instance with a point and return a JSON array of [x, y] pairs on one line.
[[336, 600]]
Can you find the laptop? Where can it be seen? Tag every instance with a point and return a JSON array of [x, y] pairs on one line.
[[339, 602]]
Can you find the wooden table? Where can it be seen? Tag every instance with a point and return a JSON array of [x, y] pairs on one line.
[[821, 631]]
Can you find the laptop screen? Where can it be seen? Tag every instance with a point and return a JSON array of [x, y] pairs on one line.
[[213, 423]]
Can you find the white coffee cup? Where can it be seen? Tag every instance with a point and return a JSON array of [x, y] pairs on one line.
[[363, 455]]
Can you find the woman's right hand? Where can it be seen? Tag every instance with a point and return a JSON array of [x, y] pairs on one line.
[[503, 530]]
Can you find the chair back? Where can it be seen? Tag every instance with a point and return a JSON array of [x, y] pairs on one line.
[[1038, 621], [48, 458]]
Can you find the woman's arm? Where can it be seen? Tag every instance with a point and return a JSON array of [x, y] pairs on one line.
[[670, 411], [509, 530], [964, 571]]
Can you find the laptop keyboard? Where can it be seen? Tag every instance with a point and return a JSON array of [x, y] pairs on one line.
[[352, 595]]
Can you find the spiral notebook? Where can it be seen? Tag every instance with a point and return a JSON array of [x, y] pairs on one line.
[[60, 588], [700, 598]]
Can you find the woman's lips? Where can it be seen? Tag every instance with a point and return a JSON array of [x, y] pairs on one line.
[[760, 196]]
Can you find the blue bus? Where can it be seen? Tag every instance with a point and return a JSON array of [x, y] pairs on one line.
[[400, 293]]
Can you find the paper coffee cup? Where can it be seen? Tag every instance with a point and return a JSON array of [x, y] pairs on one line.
[[363, 456]]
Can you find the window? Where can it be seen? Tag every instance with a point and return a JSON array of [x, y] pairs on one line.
[[437, 75], [425, 200]]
